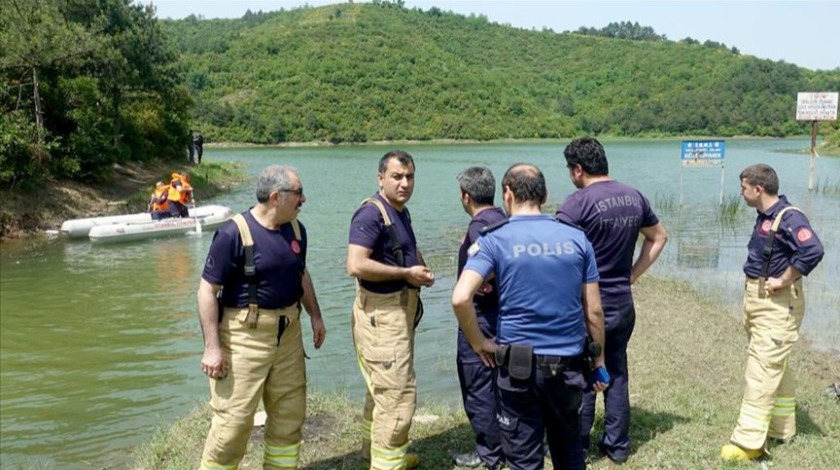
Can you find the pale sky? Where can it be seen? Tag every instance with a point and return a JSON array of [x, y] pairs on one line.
[[805, 33]]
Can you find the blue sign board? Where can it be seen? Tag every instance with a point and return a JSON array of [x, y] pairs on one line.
[[703, 152]]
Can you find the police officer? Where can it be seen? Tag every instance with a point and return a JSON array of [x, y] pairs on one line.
[[382, 255], [478, 191], [782, 249], [612, 215], [254, 350], [548, 301]]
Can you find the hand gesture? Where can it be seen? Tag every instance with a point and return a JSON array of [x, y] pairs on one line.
[[319, 331], [487, 352], [213, 364], [420, 276]]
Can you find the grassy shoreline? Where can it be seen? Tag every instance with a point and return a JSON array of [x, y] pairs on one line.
[[686, 360], [126, 191], [605, 138]]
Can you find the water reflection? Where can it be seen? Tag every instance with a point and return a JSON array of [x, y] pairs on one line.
[[95, 351]]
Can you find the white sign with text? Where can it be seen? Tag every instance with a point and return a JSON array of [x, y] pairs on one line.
[[816, 106]]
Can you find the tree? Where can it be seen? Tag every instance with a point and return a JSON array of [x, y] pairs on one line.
[[104, 87], [35, 36]]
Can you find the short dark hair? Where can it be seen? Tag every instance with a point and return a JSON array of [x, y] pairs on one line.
[[401, 156], [589, 154], [479, 183], [762, 175], [527, 183]]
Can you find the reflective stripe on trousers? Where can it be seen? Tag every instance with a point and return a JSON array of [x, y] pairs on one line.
[[772, 326], [383, 334], [258, 368]]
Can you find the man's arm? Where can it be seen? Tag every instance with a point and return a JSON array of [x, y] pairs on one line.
[[360, 265], [422, 262], [594, 314], [774, 284], [212, 361], [462, 304], [655, 239], [310, 303]]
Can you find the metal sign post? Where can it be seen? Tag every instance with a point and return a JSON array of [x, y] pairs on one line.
[[703, 153], [815, 107]]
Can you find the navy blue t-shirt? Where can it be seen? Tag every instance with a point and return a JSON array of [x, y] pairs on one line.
[[611, 214], [796, 243], [278, 257], [541, 267], [367, 229], [486, 305]]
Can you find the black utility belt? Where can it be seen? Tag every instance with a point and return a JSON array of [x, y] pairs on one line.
[[262, 308], [392, 292], [520, 361]]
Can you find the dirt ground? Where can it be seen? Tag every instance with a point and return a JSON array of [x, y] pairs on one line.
[[29, 213]]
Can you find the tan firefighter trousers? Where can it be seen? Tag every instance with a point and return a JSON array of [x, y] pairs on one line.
[[772, 326], [383, 333], [258, 368]]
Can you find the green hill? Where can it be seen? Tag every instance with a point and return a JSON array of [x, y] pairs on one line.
[[365, 72]]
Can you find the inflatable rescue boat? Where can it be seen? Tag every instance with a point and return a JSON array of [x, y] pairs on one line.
[[209, 217]]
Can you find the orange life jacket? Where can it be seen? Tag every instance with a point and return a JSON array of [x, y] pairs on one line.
[[179, 189], [157, 195]]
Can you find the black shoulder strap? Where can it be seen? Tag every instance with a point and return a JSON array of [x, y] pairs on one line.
[[767, 249], [250, 267], [489, 228], [396, 248]]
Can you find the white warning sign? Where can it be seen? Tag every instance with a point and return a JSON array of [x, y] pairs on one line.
[[816, 106]]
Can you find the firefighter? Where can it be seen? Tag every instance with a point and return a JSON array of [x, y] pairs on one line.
[[782, 249], [253, 347], [382, 255]]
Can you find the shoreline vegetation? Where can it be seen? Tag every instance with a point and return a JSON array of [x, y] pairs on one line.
[[126, 188], [125, 191], [822, 144], [687, 366]]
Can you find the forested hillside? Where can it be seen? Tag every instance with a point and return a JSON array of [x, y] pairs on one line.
[[364, 72], [89, 83]]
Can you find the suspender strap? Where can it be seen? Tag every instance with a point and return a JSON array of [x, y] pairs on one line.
[[296, 229], [250, 269], [396, 248], [767, 249]]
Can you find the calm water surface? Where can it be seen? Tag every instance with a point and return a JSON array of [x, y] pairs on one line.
[[100, 345]]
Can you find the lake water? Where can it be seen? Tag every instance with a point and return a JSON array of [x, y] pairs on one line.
[[100, 345]]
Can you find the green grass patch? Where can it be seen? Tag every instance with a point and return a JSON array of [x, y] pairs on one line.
[[687, 359], [731, 208], [665, 201], [827, 186]]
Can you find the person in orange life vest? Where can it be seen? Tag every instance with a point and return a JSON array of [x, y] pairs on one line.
[[180, 194], [158, 202]]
